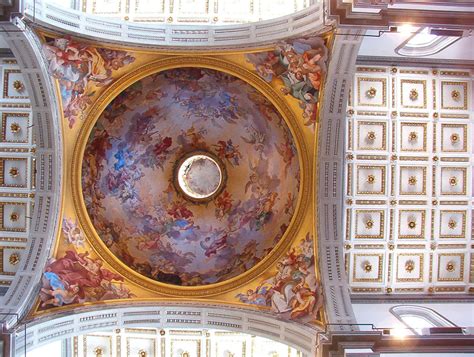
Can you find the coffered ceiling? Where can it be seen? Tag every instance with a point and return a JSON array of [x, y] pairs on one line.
[[17, 165], [408, 195], [146, 342]]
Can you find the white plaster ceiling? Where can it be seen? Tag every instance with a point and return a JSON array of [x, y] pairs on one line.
[[191, 11], [408, 191], [385, 45], [17, 179]]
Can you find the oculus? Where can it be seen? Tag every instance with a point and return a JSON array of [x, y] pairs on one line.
[[199, 176]]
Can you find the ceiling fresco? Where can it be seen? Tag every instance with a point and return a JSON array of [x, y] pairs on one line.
[[129, 169], [300, 64], [185, 183]]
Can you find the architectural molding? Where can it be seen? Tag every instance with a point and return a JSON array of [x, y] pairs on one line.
[[411, 299], [46, 196], [418, 62], [345, 15], [47, 329], [338, 343], [200, 37], [330, 178]]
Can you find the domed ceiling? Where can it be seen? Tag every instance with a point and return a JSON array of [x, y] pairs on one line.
[[190, 176]]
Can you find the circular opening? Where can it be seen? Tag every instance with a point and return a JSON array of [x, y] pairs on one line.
[[199, 176]]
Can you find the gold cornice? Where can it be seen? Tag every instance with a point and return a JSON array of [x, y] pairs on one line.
[[167, 50], [304, 199]]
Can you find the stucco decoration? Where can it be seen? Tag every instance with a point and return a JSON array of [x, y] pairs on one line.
[[301, 65], [130, 160]]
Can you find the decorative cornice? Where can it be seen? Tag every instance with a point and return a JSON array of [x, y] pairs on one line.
[[343, 12], [414, 62]]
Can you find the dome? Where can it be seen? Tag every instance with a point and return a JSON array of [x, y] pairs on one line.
[[190, 176]]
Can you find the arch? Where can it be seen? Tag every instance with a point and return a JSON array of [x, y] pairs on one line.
[[50, 328], [45, 217], [430, 316], [330, 178], [49, 14], [422, 44]]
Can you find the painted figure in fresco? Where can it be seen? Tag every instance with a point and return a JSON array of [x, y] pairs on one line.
[[254, 297], [226, 150], [294, 290], [61, 296], [72, 232], [300, 64], [256, 138], [75, 278], [213, 245], [304, 300], [223, 204], [77, 65]]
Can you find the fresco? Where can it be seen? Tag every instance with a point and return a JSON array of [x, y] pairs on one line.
[[300, 64], [127, 176], [79, 68], [293, 292], [77, 276]]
